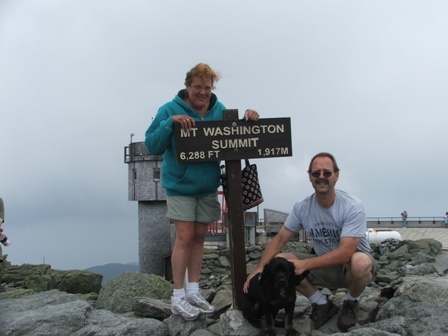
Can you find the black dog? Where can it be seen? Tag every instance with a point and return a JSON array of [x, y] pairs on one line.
[[269, 292]]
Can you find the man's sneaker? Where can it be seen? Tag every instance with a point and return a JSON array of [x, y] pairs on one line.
[[322, 313], [183, 308], [349, 315], [199, 301]]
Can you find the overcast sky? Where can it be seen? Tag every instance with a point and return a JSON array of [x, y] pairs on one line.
[[364, 80]]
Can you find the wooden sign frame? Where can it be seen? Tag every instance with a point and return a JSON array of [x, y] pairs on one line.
[[233, 140]]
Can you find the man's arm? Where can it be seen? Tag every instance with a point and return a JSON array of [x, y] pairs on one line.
[[341, 255], [271, 250]]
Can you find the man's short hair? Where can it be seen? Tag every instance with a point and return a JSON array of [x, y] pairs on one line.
[[324, 154]]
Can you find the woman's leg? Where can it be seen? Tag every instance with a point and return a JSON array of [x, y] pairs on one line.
[[182, 249], [196, 253]]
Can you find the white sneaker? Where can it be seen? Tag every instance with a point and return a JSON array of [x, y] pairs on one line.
[[199, 301], [183, 308]]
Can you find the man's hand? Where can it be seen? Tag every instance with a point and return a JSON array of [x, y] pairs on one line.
[[249, 278], [299, 266]]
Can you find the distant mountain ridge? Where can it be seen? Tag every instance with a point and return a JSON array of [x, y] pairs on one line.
[[112, 270]]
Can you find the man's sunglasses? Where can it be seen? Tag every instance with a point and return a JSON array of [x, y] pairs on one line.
[[326, 173]]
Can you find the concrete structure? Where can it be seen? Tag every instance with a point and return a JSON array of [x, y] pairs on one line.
[[154, 228], [273, 220], [250, 224]]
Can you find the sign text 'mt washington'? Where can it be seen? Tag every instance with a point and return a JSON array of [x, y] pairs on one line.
[[234, 139]]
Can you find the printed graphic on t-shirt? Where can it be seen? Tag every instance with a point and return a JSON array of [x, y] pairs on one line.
[[327, 234]]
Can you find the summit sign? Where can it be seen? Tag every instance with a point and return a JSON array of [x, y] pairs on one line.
[[234, 139]]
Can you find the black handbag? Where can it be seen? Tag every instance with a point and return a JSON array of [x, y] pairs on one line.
[[251, 192]]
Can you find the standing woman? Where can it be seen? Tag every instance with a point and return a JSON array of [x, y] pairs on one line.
[[191, 188]]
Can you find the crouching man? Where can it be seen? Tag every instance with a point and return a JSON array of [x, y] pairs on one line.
[[335, 222]]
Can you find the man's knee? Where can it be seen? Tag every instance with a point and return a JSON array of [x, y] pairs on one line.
[[360, 265]]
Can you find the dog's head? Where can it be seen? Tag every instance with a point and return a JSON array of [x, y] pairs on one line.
[[279, 274]]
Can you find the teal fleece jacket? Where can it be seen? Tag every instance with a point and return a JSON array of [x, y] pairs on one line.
[[194, 179]]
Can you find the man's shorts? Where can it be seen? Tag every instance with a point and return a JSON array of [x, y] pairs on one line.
[[190, 209], [332, 278]]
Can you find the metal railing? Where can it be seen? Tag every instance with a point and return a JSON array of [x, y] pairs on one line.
[[220, 227], [392, 220]]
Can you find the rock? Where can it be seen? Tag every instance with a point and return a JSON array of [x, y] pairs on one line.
[[430, 244], [105, 323], [61, 314], [408, 297], [232, 323], [179, 327], [223, 261], [28, 276], [367, 332], [423, 304], [386, 277], [394, 326], [147, 307], [202, 333], [433, 290], [82, 282], [421, 269], [223, 300], [41, 278], [119, 293], [367, 311]]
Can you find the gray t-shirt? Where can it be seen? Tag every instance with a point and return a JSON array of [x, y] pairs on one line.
[[345, 218]]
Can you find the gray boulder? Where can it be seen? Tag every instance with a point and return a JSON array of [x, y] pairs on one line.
[[41, 278], [408, 298], [147, 307], [119, 294], [61, 314], [419, 307]]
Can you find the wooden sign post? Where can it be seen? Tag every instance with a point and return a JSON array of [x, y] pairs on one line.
[[232, 140]]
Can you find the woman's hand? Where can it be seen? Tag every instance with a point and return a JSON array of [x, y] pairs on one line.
[[251, 115], [185, 121]]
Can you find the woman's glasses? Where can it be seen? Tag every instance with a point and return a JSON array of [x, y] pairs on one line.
[[326, 173], [200, 88]]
